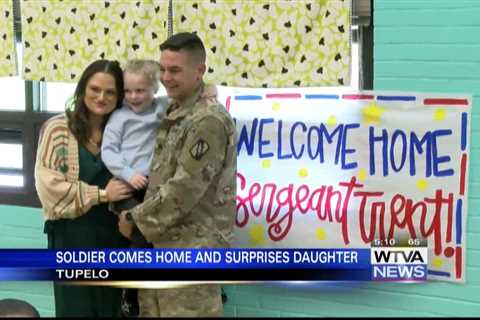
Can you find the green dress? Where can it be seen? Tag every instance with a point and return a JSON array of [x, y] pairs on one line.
[[95, 229]]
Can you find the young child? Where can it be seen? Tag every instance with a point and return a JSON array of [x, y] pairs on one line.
[[131, 131], [128, 142]]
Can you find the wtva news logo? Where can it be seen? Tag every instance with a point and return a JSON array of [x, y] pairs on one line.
[[399, 263]]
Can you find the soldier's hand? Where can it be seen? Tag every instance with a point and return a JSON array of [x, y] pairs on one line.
[[118, 190], [124, 226], [209, 92], [139, 182]]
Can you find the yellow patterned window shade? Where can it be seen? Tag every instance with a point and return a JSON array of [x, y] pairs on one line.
[[61, 38], [8, 56], [271, 43]]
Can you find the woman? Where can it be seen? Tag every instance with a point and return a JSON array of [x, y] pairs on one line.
[[74, 186]]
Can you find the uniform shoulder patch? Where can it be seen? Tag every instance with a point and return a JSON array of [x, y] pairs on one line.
[[199, 149]]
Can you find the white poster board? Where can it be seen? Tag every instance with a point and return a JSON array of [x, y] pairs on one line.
[[337, 169]]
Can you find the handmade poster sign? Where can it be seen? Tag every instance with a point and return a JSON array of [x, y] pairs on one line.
[[318, 169]]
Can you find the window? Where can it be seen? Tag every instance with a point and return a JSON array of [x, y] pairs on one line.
[[11, 166], [25, 105], [19, 129], [13, 90], [13, 99], [20, 123], [55, 94]]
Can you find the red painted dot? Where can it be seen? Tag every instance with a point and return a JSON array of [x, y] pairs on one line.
[[449, 252]]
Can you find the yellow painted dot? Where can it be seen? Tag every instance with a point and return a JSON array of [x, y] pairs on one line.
[[437, 262], [439, 115], [321, 234], [332, 121], [372, 113], [422, 184], [303, 173], [257, 236], [266, 164], [362, 174], [276, 106]]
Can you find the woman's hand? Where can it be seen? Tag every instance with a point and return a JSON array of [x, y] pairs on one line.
[[118, 190]]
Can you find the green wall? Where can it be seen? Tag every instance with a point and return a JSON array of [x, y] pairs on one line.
[[434, 46], [22, 227], [419, 45]]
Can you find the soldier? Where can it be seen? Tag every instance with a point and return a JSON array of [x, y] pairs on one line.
[[190, 201]]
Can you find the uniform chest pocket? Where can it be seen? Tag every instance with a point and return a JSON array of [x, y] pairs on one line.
[[165, 149], [175, 138], [173, 144]]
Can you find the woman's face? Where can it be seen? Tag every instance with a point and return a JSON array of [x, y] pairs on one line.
[[101, 94]]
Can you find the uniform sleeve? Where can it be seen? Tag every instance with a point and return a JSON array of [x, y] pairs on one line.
[[111, 151], [200, 160], [60, 198]]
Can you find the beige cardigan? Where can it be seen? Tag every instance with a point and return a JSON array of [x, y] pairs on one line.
[[56, 173]]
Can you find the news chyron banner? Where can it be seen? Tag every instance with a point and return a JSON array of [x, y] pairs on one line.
[[113, 266], [334, 169]]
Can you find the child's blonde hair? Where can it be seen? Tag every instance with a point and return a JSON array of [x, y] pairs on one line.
[[150, 69]]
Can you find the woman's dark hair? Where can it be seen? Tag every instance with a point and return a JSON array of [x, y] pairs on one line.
[[78, 116]]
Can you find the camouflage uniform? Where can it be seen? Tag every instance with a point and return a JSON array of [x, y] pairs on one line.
[[190, 200]]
